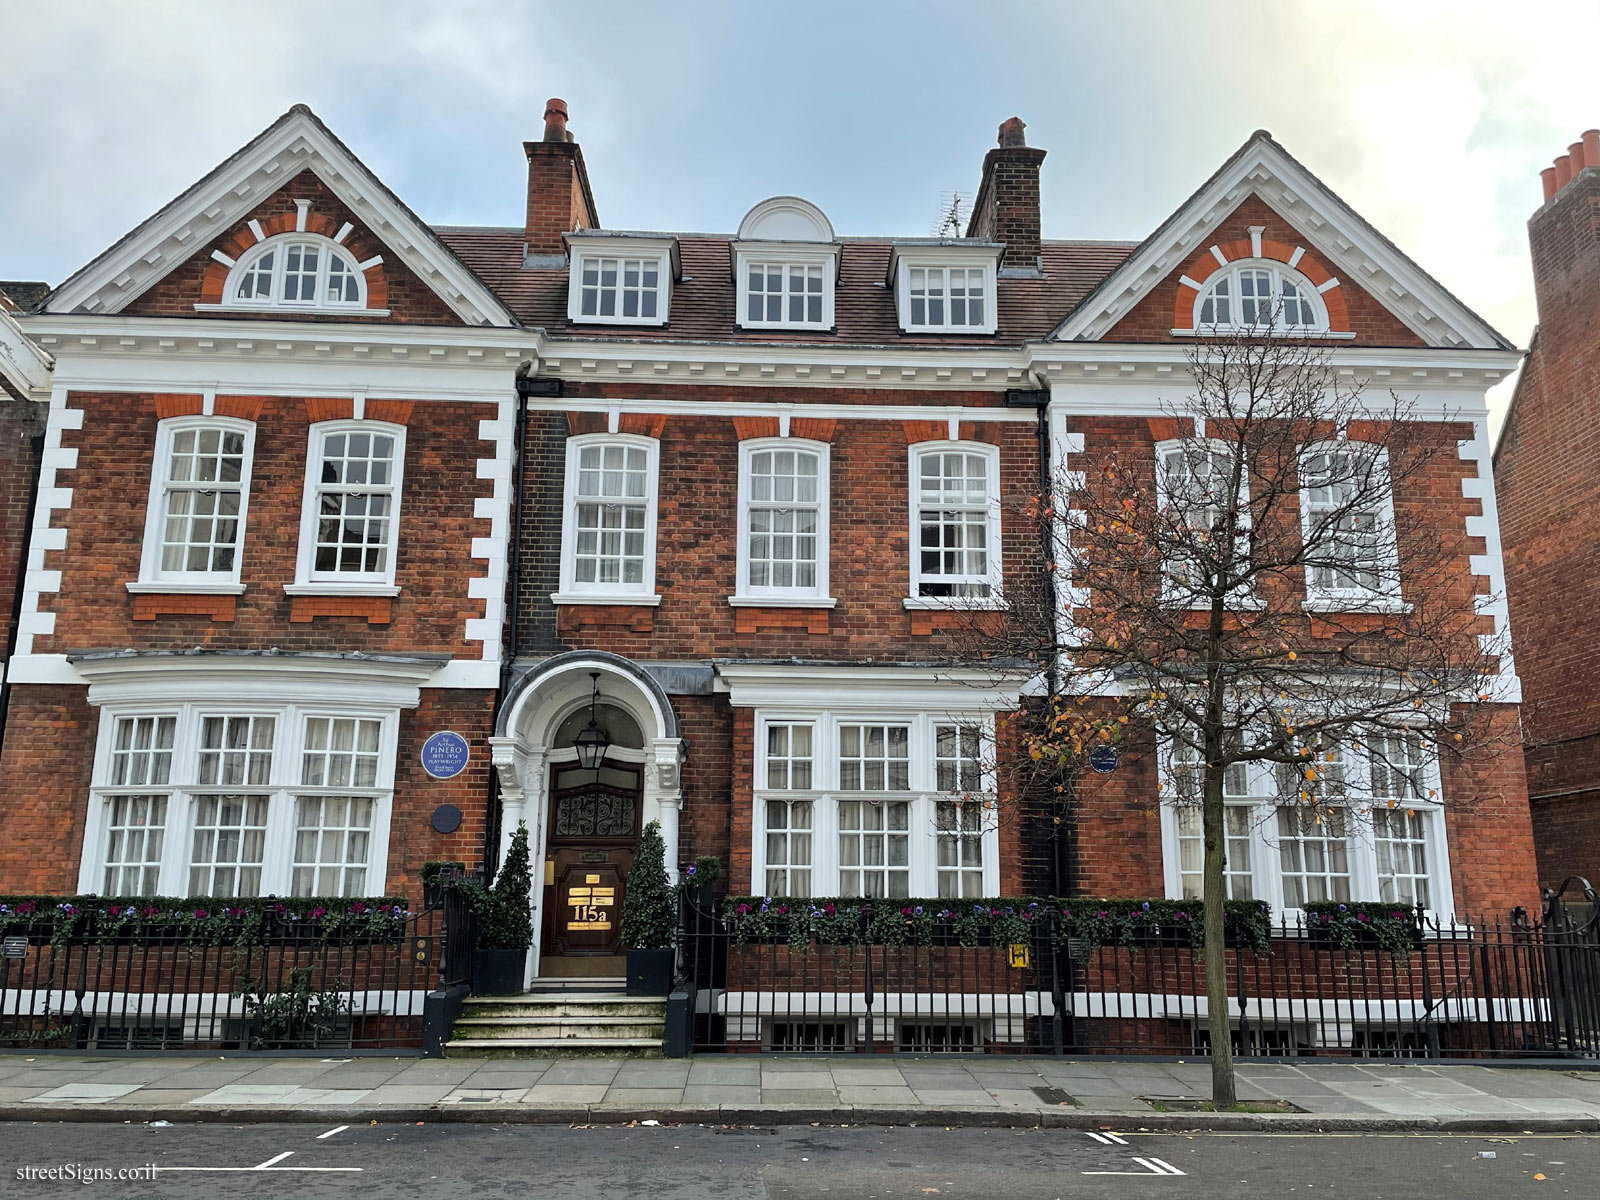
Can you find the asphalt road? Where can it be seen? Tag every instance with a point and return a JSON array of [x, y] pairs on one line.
[[375, 1162]]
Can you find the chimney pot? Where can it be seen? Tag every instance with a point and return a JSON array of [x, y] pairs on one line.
[[1591, 148], [1548, 178], [1011, 132], [555, 120], [1576, 153], [1563, 171]]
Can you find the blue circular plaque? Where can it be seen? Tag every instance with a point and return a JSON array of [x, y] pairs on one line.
[[444, 754], [1103, 760]]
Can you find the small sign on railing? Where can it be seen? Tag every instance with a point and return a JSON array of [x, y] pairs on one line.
[[14, 947], [1018, 955]]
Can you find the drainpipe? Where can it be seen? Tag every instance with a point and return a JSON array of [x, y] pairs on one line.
[[36, 453], [1063, 835]]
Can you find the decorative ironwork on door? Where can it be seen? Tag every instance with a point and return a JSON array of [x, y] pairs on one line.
[[598, 813]]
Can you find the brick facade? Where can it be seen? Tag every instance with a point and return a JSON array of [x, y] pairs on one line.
[[1548, 484]]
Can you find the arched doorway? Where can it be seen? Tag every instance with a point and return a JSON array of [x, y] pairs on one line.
[[585, 810]]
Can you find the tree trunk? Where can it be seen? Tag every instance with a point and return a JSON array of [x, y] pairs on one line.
[[1222, 1081]]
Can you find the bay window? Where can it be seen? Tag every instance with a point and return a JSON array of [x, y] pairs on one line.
[[240, 798], [874, 806], [1368, 827]]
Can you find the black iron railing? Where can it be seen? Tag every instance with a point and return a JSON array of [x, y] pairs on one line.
[[278, 986], [1509, 988]]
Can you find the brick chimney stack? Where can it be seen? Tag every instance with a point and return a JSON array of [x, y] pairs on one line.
[[1007, 207], [1566, 254], [559, 199]]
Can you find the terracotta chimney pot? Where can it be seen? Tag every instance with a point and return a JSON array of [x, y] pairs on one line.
[[1576, 153], [1011, 132], [1548, 178], [1591, 148], [555, 119], [1563, 172]]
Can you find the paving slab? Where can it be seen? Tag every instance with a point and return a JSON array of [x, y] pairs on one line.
[[641, 1096], [413, 1093], [876, 1094], [566, 1093], [798, 1080], [744, 1095], [956, 1097]]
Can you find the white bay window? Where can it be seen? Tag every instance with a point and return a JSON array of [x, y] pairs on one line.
[[856, 804], [238, 798], [1369, 828]]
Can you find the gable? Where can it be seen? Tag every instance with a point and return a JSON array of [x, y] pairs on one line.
[[393, 291], [1254, 231], [210, 212], [1304, 212]]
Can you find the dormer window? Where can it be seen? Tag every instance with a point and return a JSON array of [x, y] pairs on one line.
[[945, 287], [299, 271], [1258, 295], [620, 280], [785, 263]]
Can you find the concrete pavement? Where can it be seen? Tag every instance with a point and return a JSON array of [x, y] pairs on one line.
[[840, 1089]]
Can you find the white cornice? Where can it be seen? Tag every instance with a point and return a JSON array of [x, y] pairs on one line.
[[134, 678], [902, 688], [296, 142], [23, 364], [1331, 227]]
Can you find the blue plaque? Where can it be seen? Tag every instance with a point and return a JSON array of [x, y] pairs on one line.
[[444, 754], [1103, 760]]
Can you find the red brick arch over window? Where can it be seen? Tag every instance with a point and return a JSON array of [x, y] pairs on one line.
[[1204, 265], [357, 244]]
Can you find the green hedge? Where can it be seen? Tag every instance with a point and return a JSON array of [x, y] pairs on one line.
[[203, 920], [1358, 925], [839, 921]]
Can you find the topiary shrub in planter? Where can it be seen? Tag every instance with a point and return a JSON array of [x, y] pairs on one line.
[[505, 923], [649, 918]]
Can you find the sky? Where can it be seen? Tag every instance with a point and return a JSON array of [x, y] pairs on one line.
[[1431, 119]]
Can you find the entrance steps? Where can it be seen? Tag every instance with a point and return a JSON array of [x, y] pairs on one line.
[[560, 1016]]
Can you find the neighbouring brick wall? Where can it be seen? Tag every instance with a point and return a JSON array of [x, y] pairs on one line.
[[21, 431], [1547, 481], [697, 531], [1486, 815], [45, 769], [1151, 320], [408, 299], [717, 756], [1118, 833], [412, 840], [105, 533]]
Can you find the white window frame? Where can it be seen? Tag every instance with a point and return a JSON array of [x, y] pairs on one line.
[[982, 258], [825, 793], [995, 548], [308, 580], [1387, 597], [1358, 799], [818, 595], [279, 245], [583, 250], [573, 592], [1242, 596], [783, 256], [1309, 294], [283, 787], [151, 575]]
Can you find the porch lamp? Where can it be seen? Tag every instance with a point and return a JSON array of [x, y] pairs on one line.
[[592, 741]]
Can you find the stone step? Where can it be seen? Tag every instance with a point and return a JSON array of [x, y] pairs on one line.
[[578, 1004], [579, 983], [559, 1028], [550, 1047]]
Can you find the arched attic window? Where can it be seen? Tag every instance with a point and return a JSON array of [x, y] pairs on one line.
[[1259, 294], [297, 270]]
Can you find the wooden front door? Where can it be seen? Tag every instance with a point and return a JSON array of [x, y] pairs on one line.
[[594, 827]]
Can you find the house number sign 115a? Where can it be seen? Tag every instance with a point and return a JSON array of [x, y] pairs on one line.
[[589, 904]]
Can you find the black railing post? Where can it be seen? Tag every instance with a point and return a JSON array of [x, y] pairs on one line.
[[1056, 945], [80, 1024], [865, 918]]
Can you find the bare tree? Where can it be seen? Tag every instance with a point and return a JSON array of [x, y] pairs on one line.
[[1269, 587]]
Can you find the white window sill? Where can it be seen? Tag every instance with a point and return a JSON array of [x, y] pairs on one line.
[[1235, 330], [782, 601], [333, 588], [645, 599], [1234, 604], [971, 330], [1353, 604], [807, 326], [191, 587], [593, 320], [272, 310], [955, 603]]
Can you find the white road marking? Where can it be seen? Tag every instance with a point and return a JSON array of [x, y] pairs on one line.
[[1162, 1163], [331, 1132], [1152, 1166], [1121, 1141], [277, 1158]]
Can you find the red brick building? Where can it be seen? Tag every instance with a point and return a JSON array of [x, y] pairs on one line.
[[725, 498], [1546, 468]]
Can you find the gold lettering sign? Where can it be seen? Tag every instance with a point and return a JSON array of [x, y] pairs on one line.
[[589, 925], [591, 879]]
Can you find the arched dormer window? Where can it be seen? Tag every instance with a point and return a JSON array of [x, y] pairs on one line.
[[297, 270], [1259, 294]]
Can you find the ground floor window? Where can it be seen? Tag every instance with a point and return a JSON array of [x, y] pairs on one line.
[[240, 799], [1376, 833], [874, 804]]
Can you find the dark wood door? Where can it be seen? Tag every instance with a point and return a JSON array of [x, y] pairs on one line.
[[594, 832]]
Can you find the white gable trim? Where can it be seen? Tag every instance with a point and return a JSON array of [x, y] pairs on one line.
[[1363, 256], [23, 365], [297, 141]]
